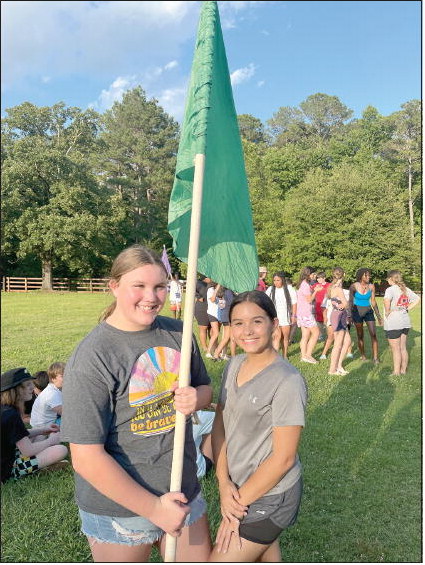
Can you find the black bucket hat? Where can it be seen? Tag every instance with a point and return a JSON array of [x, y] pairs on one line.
[[14, 377]]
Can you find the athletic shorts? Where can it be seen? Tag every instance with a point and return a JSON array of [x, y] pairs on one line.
[[395, 334], [133, 530], [269, 515], [306, 321], [361, 314], [212, 319]]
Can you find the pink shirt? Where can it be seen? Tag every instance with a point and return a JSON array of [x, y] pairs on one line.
[[304, 308]]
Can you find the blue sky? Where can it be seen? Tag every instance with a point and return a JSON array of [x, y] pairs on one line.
[[87, 53]]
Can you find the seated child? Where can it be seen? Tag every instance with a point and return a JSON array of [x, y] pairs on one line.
[[20, 455], [41, 380], [202, 422], [47, 408]]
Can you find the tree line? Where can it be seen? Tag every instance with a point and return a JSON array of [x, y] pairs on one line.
[[326, 189]]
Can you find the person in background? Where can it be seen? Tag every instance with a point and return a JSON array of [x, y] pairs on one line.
[[47, 408], [20, 454], [305, 316], [176, 293], [41, 380], [361, 306], [338, 317], [213, 317], [201, 313], [257, 428], [202, 423], [398, 301], [262, 285], [320, 296], [285, 300], [225, 298]]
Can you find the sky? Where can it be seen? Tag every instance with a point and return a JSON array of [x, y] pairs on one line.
[[88, 53]]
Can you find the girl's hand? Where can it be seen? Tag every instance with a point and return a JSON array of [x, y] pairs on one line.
[[51, 429], [185, 399], [225, 531], [229, 500], [170, 512]]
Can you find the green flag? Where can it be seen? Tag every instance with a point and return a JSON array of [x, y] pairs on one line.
[[227, 251]]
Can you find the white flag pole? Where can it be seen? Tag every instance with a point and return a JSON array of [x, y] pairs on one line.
[[186, 349]]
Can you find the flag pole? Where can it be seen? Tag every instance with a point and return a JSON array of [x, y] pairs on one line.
[[186, 349]]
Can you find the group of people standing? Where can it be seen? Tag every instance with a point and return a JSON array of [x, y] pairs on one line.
[[316, 304]]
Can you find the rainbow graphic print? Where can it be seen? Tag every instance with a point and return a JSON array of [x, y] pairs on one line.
[[150, 391]]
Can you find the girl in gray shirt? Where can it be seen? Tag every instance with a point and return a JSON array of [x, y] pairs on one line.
[[257, 428]]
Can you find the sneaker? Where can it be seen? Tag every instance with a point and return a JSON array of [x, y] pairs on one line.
[[225, 357], [322, 357], [349, 356], [208, 355]]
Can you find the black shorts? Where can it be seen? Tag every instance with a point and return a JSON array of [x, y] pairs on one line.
[[212, 319], [362, 314], [395, 334], [279, 511]]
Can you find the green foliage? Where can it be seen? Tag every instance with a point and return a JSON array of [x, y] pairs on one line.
[[350, 217], [251, 128]]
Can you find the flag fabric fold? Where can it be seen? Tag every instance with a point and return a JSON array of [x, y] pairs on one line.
[[227, 251]]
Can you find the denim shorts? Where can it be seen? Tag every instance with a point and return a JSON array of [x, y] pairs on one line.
[[134, 530]]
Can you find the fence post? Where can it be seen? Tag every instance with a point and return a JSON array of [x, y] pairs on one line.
[[26, 285]]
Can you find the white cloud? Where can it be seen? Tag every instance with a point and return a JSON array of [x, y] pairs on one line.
[[45, 79], [170, 65], [173, 101], [242, 75], [114, 93], [261, 83]]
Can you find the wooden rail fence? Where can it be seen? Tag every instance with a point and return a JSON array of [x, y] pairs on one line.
[[26, 284]]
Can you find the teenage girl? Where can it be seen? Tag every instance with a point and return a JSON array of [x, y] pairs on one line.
[[119, 413], [20, 454], [213, 315], [225, 297], [342, 339], [285, 300], [398, 300], [305, 317], [257, 428], [361, 306]]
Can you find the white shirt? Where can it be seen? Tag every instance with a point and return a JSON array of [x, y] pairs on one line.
[[42, 413], [280, 303]]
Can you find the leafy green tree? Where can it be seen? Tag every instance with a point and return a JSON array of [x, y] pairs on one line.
[[351, 217], [325, 113], [251, 128], [52, 206], [138, 162]]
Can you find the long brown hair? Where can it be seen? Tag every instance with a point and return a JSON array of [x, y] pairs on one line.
[[397, 277], [337, 275], [128, 260], [12, 397]]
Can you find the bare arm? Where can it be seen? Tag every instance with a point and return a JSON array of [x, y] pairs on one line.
[[29, 448], [97, 467], [272, 469], [351, 300], [374, 303]]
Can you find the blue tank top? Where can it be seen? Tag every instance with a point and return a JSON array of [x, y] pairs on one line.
[[362, 299]]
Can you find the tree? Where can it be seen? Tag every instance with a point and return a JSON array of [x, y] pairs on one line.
[[51, 202], [351, 216], [404, 149], [251, 128], [137, 162]]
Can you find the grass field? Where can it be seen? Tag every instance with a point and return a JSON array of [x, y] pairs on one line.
[[361, 449]]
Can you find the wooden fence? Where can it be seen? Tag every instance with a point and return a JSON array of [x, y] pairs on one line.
[[25, 284]]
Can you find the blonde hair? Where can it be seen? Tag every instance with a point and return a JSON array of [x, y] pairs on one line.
[[397, 277], [55, 370], [337, 276], [128, 260]]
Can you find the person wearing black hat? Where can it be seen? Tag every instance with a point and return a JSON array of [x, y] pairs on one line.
[[20, 456]]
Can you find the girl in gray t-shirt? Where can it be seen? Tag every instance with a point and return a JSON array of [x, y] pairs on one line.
[[398, 300], [257, 428]]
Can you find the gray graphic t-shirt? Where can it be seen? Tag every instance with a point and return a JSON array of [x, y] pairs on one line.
[[117, 392], [275, 397]]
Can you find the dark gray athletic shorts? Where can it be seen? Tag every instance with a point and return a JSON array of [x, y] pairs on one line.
[[395, 334], [268, 516]]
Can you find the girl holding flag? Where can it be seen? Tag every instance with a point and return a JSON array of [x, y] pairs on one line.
[[120, 399], [257, 428]]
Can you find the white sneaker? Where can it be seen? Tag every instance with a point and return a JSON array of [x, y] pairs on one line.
[[208, 355], [322, 357]]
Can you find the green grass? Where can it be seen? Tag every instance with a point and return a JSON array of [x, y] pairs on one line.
[[361, 449]]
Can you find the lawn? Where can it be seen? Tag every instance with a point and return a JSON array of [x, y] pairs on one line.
[[361, 449]]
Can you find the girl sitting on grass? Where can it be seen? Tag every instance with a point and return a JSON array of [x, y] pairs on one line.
[[257, 428], [20, 454]]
